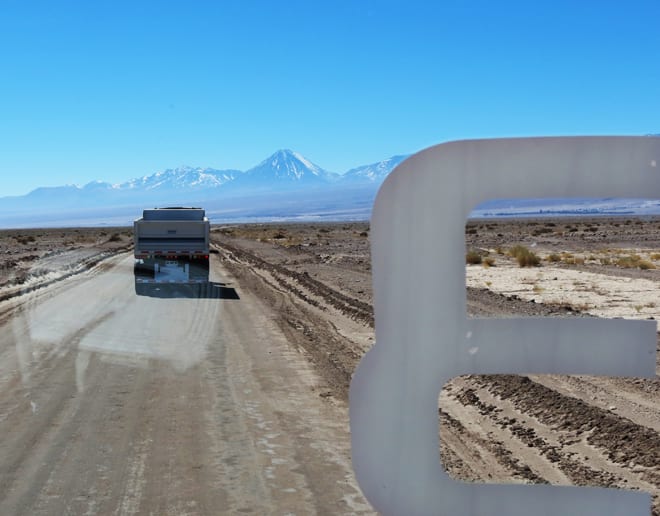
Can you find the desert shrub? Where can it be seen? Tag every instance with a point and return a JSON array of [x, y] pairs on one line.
[[524, 256], [645, 265], [655, 256], [605, 261], [488, 261], [554, 258], [115, 237], [25, 240], [473, 257], [578, 260], [471, 231], [628, 262]]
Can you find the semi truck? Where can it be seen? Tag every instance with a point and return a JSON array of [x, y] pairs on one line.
[[171, 248]]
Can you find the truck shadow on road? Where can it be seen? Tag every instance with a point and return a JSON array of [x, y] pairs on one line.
[[208, 290]]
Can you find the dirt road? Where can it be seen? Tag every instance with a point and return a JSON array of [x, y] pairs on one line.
[[113, 403]]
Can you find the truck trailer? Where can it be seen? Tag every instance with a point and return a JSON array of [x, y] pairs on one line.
[[171, 247]]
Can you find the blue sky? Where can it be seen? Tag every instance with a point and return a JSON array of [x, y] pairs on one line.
[[116, 90]]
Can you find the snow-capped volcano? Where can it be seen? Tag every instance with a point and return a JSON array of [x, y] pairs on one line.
[[285, 169], [288, 164]]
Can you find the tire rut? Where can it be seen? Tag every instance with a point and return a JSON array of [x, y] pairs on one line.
[[354, 308]]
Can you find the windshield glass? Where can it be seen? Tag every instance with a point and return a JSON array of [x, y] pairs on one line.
[[185, 244]]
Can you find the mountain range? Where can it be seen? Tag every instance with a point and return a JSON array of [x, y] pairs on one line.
[[283, 185]]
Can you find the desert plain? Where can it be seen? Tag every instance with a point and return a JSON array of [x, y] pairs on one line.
[[307, 289]]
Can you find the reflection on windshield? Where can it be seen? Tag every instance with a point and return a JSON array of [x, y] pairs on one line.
[[104, 316]]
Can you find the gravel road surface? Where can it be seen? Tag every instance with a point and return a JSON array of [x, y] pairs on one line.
[[114, 403]]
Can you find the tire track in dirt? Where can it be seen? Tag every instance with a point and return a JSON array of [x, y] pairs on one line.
[[333, 355], [624, 440], [634, 399], [349, 306], [590, 445]]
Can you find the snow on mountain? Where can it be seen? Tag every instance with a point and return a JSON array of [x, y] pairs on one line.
[[98, 186], [181, 178], [288, 165], [373, 173], [284, 170]]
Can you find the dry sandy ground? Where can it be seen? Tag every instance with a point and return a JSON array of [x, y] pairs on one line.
[[541, 429], [31, 258], [313, 283]]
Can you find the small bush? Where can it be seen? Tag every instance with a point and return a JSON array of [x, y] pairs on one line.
[[655, 256], [554, 258], [473, 257], [488, 261], [628, 262], [524, 256], [645, 265], [115, 237], [25, 240]]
